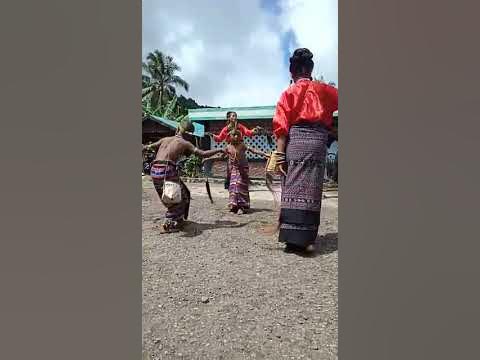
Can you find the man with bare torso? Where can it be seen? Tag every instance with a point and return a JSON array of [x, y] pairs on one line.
[[164, 169]]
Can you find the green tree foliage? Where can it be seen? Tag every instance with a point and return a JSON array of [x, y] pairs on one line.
[[160, 79], [169, 111]]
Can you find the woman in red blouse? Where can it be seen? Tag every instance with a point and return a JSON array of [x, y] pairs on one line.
[[232, 123], [302, 122]]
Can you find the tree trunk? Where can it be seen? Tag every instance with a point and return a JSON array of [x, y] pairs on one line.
[[154, 101]]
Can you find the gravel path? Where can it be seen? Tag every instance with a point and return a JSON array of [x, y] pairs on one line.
[[223, 289]]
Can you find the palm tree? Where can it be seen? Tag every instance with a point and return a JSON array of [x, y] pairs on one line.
[[159, 79]]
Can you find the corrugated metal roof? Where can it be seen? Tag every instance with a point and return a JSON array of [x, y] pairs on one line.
[[199, 129], [244, 113]]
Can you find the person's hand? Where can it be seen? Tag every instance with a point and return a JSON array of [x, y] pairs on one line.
[[280, 162], [277, 163], [281, 169], [257, 130]]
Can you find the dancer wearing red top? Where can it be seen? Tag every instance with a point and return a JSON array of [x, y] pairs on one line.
[[232, 123], [302, 122]]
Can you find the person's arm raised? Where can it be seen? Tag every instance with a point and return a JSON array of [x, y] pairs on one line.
[[222, 136], [213, 158], [207, 153], [190, 148]]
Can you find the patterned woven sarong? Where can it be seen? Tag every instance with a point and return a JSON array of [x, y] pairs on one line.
[[239, 197], [302, 187], [168, 171]]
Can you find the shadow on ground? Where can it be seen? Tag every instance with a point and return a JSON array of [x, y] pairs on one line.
[[324, 244], [192, 228], [328, 243], [255, 210]]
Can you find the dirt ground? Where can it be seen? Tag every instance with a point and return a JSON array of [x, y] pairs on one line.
[[223, 289]]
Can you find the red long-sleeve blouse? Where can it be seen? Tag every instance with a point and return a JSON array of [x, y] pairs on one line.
[[319, 103], [224, 133]]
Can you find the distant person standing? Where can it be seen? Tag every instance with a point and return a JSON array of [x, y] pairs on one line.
[[224, 135], [232, 123], [302, 123], [239, 196]]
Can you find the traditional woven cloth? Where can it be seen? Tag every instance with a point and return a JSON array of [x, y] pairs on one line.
[[239, 197], [168, 171], [301, 198]]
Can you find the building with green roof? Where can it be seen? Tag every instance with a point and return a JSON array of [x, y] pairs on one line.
[[214, 119]]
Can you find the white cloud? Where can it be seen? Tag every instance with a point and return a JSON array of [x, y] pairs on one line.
[[315, 25], [188, 54], [231, 51]]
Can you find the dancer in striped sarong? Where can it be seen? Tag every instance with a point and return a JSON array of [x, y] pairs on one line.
[[164, 170], [239, 197], [302, 122]]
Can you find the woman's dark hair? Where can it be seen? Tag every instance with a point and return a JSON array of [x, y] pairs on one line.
[[301, 62], [230, 112]]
